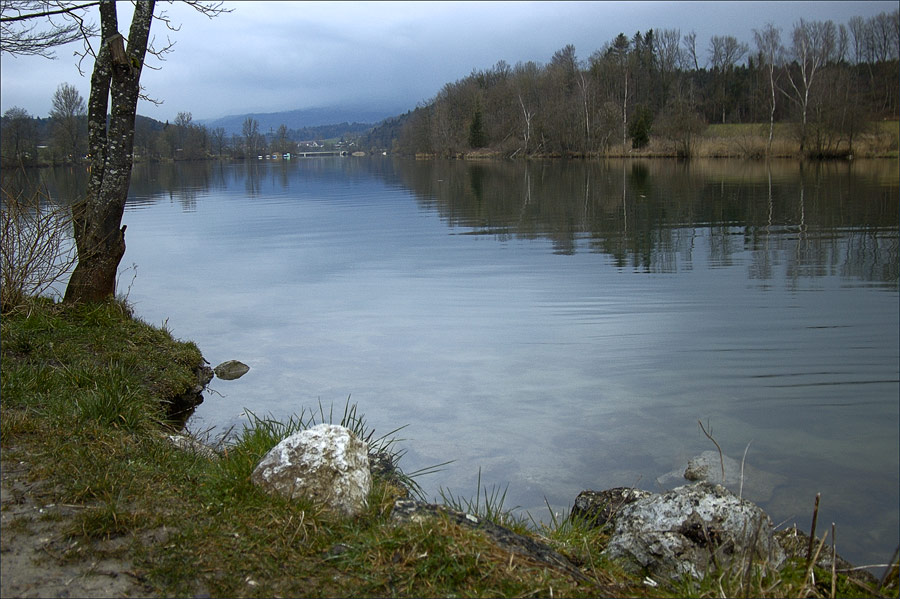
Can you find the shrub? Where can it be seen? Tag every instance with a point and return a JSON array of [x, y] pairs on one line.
[[36, 249]]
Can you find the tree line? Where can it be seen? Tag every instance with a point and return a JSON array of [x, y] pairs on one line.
[[61, 138], [828, 81]]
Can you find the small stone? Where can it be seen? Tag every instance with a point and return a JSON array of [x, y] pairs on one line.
[[697, 470], [231, 370]]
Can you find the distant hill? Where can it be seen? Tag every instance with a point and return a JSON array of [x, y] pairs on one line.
[[300, 119]]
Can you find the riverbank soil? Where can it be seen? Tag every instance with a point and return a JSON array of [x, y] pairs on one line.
[[39, 558]]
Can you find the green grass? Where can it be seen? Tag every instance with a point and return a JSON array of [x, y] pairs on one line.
[[82, 391]]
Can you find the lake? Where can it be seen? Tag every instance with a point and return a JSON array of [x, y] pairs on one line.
[[553, 326]]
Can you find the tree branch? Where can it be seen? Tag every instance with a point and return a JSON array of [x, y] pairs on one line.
[[43, 13]]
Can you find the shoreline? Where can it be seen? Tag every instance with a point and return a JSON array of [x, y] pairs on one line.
[[101, 500], [730, 141]]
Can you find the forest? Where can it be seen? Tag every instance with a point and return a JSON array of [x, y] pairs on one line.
[[828, 82], [819, 86]]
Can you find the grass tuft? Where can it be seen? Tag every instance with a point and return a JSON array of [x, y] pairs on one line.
[[488, 504]]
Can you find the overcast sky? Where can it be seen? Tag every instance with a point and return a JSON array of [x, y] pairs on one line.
[[274, 56]]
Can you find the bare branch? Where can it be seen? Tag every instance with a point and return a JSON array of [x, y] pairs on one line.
[[27, 27], [710, 437], [208, 9], [9, 5]]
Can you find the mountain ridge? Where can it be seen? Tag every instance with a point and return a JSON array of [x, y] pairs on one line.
[[301, 118]]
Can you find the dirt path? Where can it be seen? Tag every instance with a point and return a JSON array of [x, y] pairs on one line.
[[38, 559]]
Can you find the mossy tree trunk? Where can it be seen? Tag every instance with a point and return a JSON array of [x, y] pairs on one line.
[[99, 236]]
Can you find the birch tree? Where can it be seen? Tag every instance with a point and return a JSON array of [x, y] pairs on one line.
[[768, 43], [813, 45]]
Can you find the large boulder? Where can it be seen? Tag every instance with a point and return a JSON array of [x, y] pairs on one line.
[[326, 464], [691, 530]]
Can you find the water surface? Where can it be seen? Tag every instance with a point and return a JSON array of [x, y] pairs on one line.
[[557, 326]]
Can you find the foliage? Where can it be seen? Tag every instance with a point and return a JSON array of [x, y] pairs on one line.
[[639, 127], [477, 138], [578, 107]]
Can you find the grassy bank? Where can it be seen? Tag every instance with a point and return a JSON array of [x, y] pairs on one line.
[[81, 403], [745, 141]]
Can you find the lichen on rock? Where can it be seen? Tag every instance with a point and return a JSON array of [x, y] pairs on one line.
[[326, 464]]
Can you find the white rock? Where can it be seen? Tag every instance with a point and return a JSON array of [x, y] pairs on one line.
[[691, 529], [326, 464]]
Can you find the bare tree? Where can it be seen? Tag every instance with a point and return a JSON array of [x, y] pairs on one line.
[[250, 131], [813, 46], [281, 141], [858, 32], [68, 114], [725, 52], [842, 47], [768, 43], [219, 142], [526, 76], [97, 218], [668, 50], [689, 54], [618, 54], [883, 29], [112, 108]]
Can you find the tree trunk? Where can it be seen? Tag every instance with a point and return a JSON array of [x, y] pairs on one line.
[[625, 115], [772, 109], [99, 236]]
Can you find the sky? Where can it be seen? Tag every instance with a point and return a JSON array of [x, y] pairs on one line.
[[387, 56]]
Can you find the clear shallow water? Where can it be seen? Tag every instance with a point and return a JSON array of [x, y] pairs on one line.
[[559, 326]]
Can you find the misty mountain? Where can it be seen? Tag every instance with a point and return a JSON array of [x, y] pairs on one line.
[[300, 119]]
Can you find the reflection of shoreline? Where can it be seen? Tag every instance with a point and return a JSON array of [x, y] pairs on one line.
[[805, 219], [648, 215]]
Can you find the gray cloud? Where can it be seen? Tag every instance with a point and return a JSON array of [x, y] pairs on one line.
[[272, 56]]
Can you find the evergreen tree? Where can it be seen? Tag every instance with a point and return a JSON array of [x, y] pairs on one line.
[[477, 138]]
